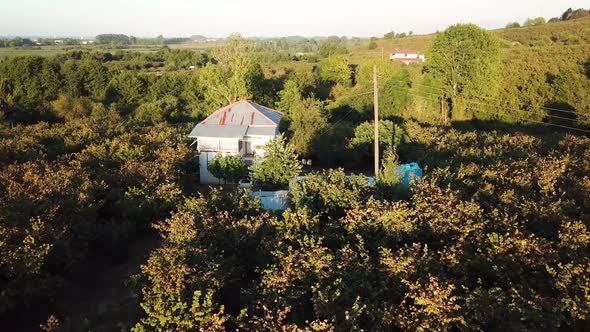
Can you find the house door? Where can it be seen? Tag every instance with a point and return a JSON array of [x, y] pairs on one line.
[[246, 148]]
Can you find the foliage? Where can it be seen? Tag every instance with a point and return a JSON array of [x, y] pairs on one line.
[[329, 194], [229, 168], [82, 189], [388, 183], [395, 96], [234, 74], [331, 47], [534, 21], [166, 109], [277, 166], [114, 39], [70, 108], [571, 14], [465, 59], [206, 248], [336, 69], [390, 135], [307, 125], [304, 117]]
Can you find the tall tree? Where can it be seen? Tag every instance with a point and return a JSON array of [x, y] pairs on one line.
[[465, 59], [235, 74], [304, 117], [336, 69]]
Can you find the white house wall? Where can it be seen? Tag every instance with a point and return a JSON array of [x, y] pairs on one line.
[[210, 147], [217, 145], [204, 159], [258, 143]]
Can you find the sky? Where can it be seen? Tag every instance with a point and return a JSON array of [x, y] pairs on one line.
[[263, 18]]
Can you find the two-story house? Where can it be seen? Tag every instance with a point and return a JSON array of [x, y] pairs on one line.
[[242, 128]]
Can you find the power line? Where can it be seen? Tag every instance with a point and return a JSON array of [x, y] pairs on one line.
[[500, 100], [500, 108], [352, 109], [508, 115]]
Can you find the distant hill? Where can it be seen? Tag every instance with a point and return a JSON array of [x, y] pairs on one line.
[[566, 32]]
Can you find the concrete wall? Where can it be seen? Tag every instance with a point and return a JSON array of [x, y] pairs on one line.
[[272, 200]]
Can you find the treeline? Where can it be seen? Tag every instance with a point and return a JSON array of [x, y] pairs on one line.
[[16, 42], [569, 14], [392, 34], [120, 39], [34, 89], [296, 44]]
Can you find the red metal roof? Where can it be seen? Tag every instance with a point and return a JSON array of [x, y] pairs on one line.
[[244, 112]]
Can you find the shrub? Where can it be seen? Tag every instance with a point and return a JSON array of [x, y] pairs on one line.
[[277, 166], [229, 168]]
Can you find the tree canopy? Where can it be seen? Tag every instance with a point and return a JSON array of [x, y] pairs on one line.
[[277, 166], [229, 168], [336, 69], [235, 73], [465, 59]]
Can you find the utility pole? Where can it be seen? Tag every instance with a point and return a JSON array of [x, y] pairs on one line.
[[376, 109]]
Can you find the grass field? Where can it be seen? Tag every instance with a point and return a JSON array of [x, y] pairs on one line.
[[55, 50]]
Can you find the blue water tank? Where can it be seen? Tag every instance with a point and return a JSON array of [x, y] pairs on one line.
[[409, 173]]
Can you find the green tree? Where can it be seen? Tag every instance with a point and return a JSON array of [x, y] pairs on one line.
[[127, 87], [395, 97], [235, 74], [304, 117], [336, 69], [95, 78], [289, 98], [113, 39], [278, 165], [307, 125], [69, 108], [390, 136], [229, 168], [512, 25], [372, 45], [465, 59], [167, 108], [330, 48], [534, 21]]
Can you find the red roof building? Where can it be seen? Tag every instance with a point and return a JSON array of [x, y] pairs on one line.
[[406, 56]]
